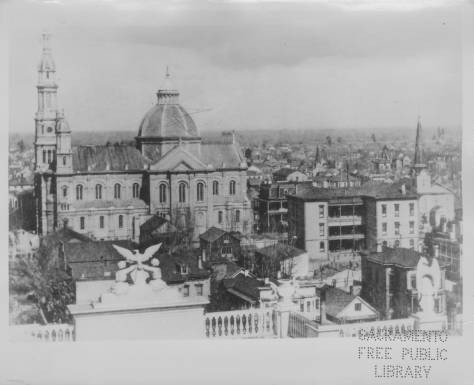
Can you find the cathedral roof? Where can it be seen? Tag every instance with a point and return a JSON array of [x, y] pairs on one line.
[[222, 155], [167, 120], [109, 157], [212, 156]]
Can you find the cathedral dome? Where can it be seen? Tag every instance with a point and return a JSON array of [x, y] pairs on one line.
[[167, 119]]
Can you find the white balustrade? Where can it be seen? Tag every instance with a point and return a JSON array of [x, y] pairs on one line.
[[251, 323], [44, 333]]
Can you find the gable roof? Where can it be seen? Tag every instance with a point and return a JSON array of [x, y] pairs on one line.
[[66, 235], [245, 286], [189, 258], [212, 234], [108, 157], [178, 158], [155, 222], [336, 300], [94, 251]]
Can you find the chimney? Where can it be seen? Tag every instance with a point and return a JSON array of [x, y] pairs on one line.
[[199, 262], [404, 189]]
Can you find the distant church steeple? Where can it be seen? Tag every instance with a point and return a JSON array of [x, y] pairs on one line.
[[418, 163], [420, 172]]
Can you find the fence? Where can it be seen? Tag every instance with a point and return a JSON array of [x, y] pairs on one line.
[[301, 327]]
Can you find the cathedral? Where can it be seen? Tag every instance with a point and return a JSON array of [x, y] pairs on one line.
[[108, 191]]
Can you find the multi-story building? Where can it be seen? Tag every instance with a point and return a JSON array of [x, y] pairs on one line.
[[272, 204], [401, 282], [331, 224], [107, 192]]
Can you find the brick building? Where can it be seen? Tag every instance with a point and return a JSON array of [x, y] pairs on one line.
[[332, 223], [391, 282]]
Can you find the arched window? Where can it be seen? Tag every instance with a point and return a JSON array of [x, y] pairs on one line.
[[79, 191], [64, 191], [200, 192], [120, 221], [237, 216], [162, 193], [215, 187], [117, 191], [219, 217], [64, 160], [98, 191], [44, 156], [49, 156], [182, 192], [82, 223], [135, 190], [232, 187]]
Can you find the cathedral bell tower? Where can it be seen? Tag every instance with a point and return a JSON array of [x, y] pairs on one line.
[[45, 118], [63, 145]]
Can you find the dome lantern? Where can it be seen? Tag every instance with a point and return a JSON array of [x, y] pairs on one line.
[[168, 94]]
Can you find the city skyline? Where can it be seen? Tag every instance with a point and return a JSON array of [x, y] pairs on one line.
[[310, 75]]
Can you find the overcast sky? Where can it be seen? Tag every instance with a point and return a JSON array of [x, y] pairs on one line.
[[248, 65]]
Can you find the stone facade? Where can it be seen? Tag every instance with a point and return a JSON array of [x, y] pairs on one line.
[[108, 192]]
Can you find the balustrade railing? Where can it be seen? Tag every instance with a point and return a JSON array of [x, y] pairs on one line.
[[252, 323], [44, 333]]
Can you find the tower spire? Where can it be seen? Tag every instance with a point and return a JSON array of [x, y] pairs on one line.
[[418, 162], [418, 144], [46, 114]]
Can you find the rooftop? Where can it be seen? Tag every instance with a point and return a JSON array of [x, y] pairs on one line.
[[402, 257], [246, 285], [336, 300], [375, 191]]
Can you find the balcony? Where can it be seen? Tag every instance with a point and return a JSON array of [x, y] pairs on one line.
[[346, 236]]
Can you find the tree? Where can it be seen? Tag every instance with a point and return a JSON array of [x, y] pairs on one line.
[[44, 284]]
